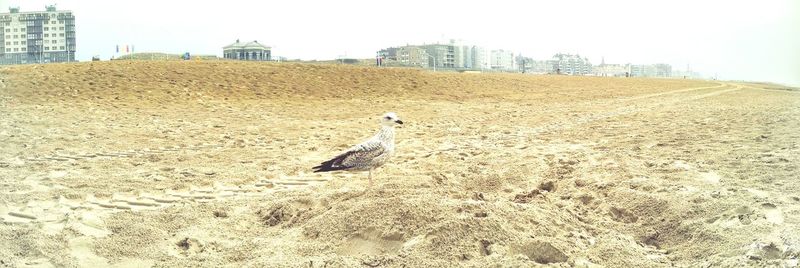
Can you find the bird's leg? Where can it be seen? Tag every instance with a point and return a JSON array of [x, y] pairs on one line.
[[370, 178]]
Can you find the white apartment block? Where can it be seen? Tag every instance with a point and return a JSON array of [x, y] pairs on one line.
[[37, 37], [480, 58], [502, 60], [571, 64], [450, 56]]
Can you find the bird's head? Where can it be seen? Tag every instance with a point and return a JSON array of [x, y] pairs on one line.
[[390, 119]]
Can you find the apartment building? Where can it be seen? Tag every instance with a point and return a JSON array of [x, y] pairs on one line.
[[37, 37], [663, 70], [467, 57], [532, 66], [480, 58], [651, 70], [571, 64], [412, 56], [501, 60], [444, 55], [409, 56], [452, 55]]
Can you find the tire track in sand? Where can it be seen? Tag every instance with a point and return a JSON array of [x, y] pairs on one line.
[[487, 117], [521, 139]]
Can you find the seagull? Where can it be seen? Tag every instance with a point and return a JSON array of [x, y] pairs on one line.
[[368, 155]]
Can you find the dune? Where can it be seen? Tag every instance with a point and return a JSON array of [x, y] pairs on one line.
[[208, 164]]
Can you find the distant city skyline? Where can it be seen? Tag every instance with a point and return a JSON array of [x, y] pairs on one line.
[[756, 41]]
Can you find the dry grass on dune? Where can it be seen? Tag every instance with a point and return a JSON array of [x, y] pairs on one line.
[[192, 163]]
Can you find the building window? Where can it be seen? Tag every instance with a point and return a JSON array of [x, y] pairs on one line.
[[8, 50], [46, 48], [16, 36], [46, 35], [62, 47], [24, 49], [46, 28], [8, 30], [16, 49], [22, 30], [23, 42], [15, 30], [61, 28], [61, 34], [8, 43], [8, 36], [16, 43]]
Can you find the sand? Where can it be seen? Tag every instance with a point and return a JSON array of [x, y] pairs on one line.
[[207, 164]]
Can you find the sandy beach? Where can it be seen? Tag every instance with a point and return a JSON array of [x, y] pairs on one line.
[[208, 164]]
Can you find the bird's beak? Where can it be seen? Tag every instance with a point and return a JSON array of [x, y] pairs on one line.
[[399, 121]]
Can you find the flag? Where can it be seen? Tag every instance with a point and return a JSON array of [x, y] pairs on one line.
[[126, 49], [117, 48]]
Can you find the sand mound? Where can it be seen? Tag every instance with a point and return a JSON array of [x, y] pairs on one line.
[[207, 164]]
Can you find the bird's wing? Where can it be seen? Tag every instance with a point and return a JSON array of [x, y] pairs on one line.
[[358, 156]]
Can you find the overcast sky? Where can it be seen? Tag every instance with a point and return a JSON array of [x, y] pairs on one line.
[[747, 40]]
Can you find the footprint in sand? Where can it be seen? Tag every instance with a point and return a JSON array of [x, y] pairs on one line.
[[772, 213], [758, 194], [372, 242], [710, 177], [746, 215], [740, 216]]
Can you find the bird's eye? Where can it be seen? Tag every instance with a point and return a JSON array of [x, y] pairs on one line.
[[388, 118]]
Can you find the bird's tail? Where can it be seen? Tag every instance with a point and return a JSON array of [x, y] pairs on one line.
[[330, 165]]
